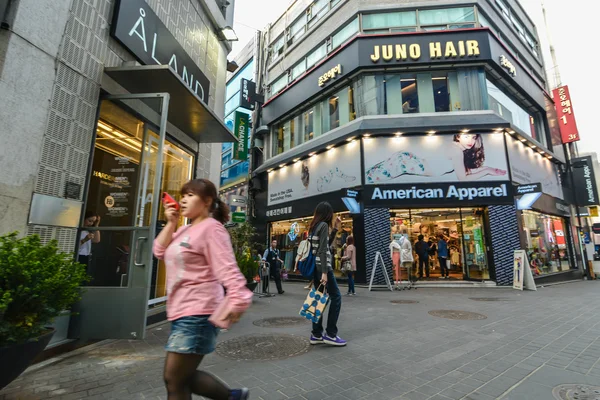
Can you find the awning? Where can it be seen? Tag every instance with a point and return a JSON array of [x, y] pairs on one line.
[[186, 111]]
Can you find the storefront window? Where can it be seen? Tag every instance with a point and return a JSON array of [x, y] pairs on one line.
[[441, 95], [462, 229], [289, 234], [546, 241], [509, 109]]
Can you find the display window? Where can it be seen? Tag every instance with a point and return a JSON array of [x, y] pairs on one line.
[[546, 243], [289, 233], [461, 228]]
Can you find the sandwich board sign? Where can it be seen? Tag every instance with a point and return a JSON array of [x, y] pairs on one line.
[[522, 276]]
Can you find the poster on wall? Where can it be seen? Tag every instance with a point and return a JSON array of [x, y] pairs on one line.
[[528, 166], [335, 169], [112, 188], [428, 159]]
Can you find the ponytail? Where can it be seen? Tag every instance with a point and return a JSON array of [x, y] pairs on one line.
[[220, 211]]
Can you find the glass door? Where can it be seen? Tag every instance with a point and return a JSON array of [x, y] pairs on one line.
[[119, 225]]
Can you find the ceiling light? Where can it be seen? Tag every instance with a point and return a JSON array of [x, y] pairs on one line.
[[281, 165], [464, 131], [296, 160], [312, 154], [330, 147], [350, 139], [430, 133], [367, 135], [270, 170], [229, 34], [398, 133], [523, 140], [511, 132]]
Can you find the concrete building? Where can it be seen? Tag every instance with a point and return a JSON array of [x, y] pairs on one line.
[[105, 104], [415, 118]]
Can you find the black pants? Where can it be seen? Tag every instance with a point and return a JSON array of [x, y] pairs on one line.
[[423, 262], [276, 275], [443, 266]]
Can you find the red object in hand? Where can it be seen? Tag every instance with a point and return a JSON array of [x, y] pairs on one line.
[[167, 199]]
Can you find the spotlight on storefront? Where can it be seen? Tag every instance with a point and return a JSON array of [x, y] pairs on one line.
[[330, 147], [350, 139], [431, 133], [464, 131], [397, 134], [228, 34], [270, 170], [281, 165], [295, 160], [511, 132], [367, 135], [312, 154]]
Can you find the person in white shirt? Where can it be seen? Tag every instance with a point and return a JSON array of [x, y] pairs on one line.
[[86, 238]]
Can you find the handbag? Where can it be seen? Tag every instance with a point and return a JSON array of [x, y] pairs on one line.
[[315, 303], [346, 266]]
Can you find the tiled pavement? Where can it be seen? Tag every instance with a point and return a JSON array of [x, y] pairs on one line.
[[528, 344]]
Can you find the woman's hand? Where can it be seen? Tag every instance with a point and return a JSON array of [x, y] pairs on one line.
[[171, 214], [97, 220], [338, 223], [234, 317], [324, 278]]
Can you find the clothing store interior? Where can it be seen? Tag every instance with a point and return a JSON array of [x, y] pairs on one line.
[[289, 233], [463, 230]]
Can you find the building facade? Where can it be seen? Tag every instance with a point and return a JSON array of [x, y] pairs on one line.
[[415, 119], [107, 104]]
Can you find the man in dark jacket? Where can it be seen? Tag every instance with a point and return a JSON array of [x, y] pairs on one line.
[[422, 250]]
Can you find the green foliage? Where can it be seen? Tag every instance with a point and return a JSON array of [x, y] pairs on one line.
[[242, 239], [37, 282]]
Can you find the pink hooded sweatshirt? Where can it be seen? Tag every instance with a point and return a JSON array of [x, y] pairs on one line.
[[200, 261]]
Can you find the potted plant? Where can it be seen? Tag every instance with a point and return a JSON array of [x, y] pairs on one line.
[[242, 239], [37, 282]]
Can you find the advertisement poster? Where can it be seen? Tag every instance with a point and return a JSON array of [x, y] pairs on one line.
[[112, 188], [335, 169], [522, 276], [425, 159], [528, 166]]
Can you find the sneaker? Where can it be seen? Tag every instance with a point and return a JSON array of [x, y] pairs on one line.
[[239, 394], [353, 294], [316, 340], [335, 341]]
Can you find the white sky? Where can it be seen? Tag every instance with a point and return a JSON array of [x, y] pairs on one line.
[[572, 29]]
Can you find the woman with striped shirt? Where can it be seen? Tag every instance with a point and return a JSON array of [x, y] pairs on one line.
[[319, 229]]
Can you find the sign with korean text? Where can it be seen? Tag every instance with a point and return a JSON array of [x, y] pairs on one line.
[[247, 94], [584, 182], [565, 114], [142, 32], [331, 74], [240, 148]]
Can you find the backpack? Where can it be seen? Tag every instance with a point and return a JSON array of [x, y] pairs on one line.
[[307, 264]]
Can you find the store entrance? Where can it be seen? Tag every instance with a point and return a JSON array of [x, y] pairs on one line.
[[463, 231], [132, 165]]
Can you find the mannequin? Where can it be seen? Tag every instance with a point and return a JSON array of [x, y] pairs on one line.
[[395, 249], [401, 254]]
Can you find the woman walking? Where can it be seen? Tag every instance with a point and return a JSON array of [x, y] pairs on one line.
[[350, 258], [200, 261], [319, 228]]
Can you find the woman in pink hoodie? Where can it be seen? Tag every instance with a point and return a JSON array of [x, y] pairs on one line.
[[200, 261]]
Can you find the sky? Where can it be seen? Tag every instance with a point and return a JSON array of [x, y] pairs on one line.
[[570, 27]]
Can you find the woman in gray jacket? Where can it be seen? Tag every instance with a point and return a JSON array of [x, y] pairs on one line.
[[319, 229]]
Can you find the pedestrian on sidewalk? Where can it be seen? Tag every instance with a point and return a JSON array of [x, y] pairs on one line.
[[422, 250], [442, 251], [350, 258], [200, 261], [319, 228], [275, 262]]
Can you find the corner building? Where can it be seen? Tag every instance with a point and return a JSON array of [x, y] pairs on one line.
[[106, 105], [425, 113]]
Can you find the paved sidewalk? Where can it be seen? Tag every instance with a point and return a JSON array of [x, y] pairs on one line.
[[529, 343]]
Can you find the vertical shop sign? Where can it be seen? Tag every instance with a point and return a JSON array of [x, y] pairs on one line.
[[247, 94], [240, 148], [565, 114], [584, 181]]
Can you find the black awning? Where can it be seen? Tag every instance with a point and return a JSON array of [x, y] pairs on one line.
[[186, 111]]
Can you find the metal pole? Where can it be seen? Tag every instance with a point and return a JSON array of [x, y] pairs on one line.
[[570, 166]]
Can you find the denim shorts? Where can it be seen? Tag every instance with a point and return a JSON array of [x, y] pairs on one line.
[[192, 335]]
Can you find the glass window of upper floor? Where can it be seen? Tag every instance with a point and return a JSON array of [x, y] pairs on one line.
[[463, 89]]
